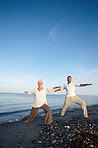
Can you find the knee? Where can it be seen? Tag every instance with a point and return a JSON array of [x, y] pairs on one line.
[[49, 110], [83, 103]]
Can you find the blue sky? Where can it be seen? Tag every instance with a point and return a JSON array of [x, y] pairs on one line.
[[48, 40]]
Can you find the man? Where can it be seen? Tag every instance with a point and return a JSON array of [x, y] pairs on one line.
[[40, 102], [72, 98]]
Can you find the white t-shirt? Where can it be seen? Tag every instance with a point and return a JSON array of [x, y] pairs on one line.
[[40, 96], [70, 89]]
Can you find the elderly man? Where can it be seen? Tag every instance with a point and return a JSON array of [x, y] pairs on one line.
[[40, 102], [72, 98]]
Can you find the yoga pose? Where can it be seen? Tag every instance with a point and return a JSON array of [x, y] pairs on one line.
[[40, 102], [71, 96]]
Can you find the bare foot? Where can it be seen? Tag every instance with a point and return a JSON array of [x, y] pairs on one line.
[[87, 118], [61, 115], [49, 125], [27, 121]]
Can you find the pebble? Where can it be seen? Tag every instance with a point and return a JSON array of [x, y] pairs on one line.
[[73, 134], [67, 127], [54, 141], [39, 141], [91, 146]]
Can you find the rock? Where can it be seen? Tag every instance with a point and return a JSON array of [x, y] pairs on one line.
[[39, 142], [90, 146], [54, 141], [77, 133]]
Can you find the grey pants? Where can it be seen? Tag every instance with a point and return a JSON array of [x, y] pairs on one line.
[[48, 115], [77, 100]]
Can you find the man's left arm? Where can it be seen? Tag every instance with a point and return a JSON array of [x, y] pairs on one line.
[[81, 85]]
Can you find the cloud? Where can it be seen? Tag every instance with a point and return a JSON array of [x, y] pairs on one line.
[[17, 84], [53, 38], [53, 35], [20, 83], [87, 76], [62, 30]]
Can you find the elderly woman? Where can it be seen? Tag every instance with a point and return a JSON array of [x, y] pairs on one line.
[[40, 102]]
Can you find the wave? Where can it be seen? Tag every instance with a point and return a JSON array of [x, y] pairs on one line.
[[14, 112], [28, 110]]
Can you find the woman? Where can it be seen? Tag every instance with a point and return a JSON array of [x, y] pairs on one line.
[[40, 102]]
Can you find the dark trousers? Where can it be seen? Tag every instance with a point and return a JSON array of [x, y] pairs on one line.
[[48, 115]]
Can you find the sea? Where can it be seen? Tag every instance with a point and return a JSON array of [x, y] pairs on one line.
[[15, 106]]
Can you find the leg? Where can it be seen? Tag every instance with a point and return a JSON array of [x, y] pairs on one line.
[[48, 115], [33, 113], [68, 101], [82, 104]]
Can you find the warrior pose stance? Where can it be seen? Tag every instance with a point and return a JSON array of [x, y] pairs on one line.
[[40, 102], [72, 98]]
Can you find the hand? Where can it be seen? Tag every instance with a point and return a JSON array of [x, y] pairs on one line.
[[25, 91], [85, 84], [90, 84], [58, 86]]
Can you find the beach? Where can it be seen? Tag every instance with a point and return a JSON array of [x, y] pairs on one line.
[[71, 130], [15, 106]]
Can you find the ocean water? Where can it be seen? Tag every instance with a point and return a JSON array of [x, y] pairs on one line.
[[14, 106]]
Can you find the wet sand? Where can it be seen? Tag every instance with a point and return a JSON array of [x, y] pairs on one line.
[[71, 130]]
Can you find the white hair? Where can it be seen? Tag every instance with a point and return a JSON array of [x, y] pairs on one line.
[[40, 81]]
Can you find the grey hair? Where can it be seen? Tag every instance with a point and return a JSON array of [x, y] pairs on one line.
[[40, 81]]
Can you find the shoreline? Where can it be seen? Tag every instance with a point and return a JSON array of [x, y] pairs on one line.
[[40, 113], [35, 134]]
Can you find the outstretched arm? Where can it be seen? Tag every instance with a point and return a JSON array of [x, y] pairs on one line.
[[51, 89], [30, 92], [57, 90], [56, 87], [25, 91], [81, 85], [60, 88]]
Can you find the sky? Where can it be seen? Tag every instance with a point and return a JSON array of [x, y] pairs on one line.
[[48, 40]]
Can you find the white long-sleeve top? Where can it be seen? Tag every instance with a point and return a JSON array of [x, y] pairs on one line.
[[40, 96]]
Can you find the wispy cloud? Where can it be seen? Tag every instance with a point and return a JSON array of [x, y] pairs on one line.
[[53, 35], [12, 83], [53, 38], [20, 83], [63, 29], [87, 76]]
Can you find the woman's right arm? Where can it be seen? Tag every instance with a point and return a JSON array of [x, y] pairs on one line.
[[30, 92]]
